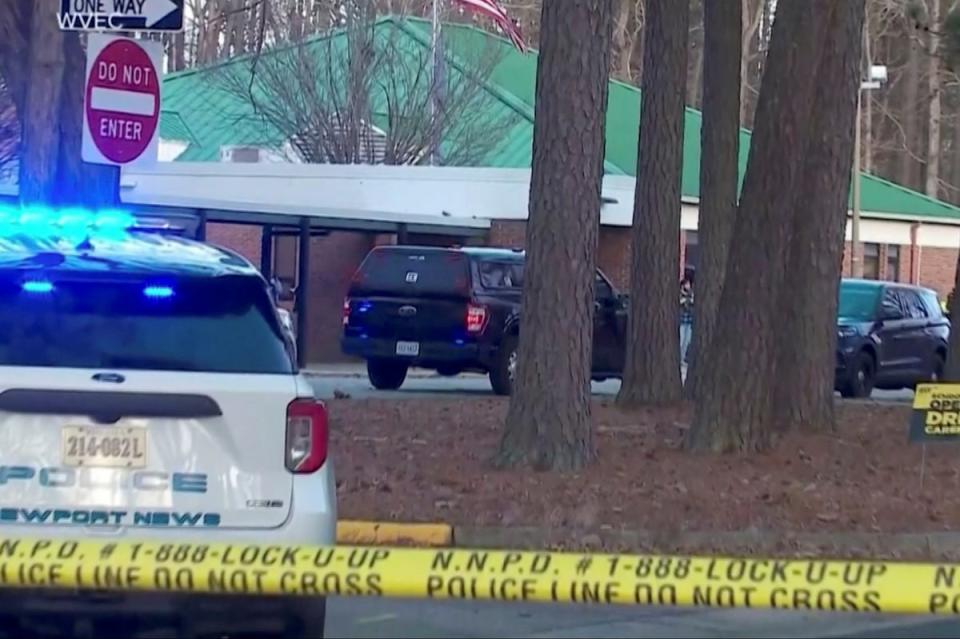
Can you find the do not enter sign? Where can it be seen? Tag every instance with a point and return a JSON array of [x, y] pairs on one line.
[[122, 100]]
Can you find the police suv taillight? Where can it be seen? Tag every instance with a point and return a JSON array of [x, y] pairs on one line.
[[307, 435], [346, 311]]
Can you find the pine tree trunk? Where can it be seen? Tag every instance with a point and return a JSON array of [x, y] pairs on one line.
[[808, 304], [932, 173], [15, 19], [733, 407], [178, 56], [720, 143], [40, 142], [79, 183], [909, 114], [548, 424], [652, 370]]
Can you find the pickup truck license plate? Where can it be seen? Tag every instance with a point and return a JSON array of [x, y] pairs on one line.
[[104, 447], [410, 349]]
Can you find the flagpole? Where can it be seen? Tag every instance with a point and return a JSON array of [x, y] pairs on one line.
[[436, 56]]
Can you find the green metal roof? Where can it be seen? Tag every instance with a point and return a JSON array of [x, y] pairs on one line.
[[172, 127], [215, 118]]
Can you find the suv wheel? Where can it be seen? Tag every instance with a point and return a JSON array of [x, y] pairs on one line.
[[862, 377], [504, 370], [386, 374]]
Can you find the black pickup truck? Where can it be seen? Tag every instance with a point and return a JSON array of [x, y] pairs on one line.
[[455, 310]]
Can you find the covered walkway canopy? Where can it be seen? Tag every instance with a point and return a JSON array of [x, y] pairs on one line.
[[278, 202]]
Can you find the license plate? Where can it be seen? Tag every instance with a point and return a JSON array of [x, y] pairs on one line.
[[411, 349], [104, 447]]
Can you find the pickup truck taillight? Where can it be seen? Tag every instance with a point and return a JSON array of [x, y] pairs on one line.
[[476, 318], [346, 311], [307, 435]]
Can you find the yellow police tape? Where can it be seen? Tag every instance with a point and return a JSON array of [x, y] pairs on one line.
[[888, 587]]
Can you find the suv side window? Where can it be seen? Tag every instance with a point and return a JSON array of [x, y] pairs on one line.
[[913, 304], [891, 308], [500, 274], [931, 303]]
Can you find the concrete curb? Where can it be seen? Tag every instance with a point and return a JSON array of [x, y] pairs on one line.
[[377, 533]]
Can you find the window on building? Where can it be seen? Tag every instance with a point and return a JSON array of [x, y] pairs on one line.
[[871, 261], [893, 263]]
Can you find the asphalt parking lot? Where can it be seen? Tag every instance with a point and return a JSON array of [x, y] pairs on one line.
[[350, 618], [351, 379]]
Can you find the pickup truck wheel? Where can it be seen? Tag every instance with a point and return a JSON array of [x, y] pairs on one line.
[[862, 377], [386, 374], [504, 370]]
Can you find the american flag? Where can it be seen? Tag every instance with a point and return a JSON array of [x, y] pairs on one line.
[[493, 10]]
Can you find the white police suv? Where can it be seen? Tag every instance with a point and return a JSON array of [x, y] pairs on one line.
[[148, 390]]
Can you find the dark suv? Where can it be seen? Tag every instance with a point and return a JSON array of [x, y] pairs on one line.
[[889, 336], [455, 310]]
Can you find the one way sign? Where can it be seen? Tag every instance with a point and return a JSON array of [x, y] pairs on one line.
[[121, 15]]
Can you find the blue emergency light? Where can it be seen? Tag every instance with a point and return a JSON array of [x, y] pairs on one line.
[[72, 224], [37, 286], [158, 292]]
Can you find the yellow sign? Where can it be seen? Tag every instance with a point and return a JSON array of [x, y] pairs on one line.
[[936, 413], [248, 569]]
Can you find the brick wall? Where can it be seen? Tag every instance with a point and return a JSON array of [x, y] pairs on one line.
[[613, 255], [242, 238], [613, 249], [333, 261], [508, 233], [937, 265], [937, 268]]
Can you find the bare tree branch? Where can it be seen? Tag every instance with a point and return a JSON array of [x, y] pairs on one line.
[[349, 97]]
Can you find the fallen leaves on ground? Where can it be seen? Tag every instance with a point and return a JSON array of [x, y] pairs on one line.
[[428, 460]]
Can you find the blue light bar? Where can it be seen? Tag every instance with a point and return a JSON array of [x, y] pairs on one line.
[[157, 292], [69, 223], [37, 286]]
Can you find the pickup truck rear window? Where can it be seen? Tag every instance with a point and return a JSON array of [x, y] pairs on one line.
[[203, 324], [412, 272]]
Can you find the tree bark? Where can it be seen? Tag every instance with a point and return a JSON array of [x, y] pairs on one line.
[[720, 144], [15, 21], [79, 183], [548, 424], [40, 146], [867, 105], [932, 173], [695, 53], [911, 90], [733, 405], [808, 301], [652, 371], [753, 12]]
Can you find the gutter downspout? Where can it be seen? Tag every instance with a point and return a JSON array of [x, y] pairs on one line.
[[915, 253]]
